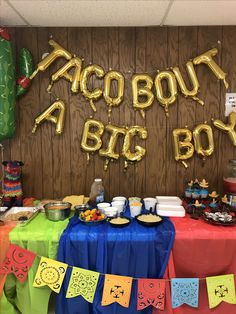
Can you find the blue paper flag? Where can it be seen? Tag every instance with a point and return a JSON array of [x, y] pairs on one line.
[[184, 290]]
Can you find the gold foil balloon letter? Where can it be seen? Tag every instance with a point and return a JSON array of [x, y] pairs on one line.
[[56, 53], [198, 130], [172, 89], [194, 82], [110, 150], [144, 91], [47, 116], [139, 151], [183, 149], [208, 60], [75, 63], [93, 130], [109, 77], [85, 76], [229, 128]]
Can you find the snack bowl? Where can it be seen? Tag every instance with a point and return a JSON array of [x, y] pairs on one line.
[[120, 222], [92, 217], [81, 208], [111, 211], [102, 206], [149, 220], [57, 211]]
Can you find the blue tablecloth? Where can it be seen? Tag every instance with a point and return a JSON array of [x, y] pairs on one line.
[[136, 251]]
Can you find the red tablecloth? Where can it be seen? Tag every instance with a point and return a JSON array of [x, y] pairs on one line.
[[202, 250]]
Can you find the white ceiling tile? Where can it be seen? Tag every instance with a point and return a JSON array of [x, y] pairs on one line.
[[92, 13], [8, 16], [202, 12]]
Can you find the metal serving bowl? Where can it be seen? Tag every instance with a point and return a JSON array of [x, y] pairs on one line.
[[57, 211], [80, 208]]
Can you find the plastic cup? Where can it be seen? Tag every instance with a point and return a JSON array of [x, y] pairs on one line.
[[102, 206], [135, 209], [119, 205], [149, 202]]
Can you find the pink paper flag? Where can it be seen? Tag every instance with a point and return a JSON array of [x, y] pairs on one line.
[[17, 261], [151, 292]]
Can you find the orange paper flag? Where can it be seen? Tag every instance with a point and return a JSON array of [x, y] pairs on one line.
[[117, 289]]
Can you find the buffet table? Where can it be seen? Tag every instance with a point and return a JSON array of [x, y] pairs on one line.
[[40, 236], [202, 250], [135, 251]]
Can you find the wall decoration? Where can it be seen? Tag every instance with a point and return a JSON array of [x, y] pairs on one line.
[[151, 292], [220, 288], [10, 87], [167, 100], [144, 91], [58, 52], [184, 290], [76, 64], [119, 78], [85, 76], [48, 116], [82, 282], [117, 289], [194, 82], [207, 58], [198, 130], [50, 273], [183, 148], [92, 142], [229, 128], [17, 261]]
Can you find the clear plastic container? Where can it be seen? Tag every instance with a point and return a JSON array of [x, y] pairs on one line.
[[230, 177], [97, 192]]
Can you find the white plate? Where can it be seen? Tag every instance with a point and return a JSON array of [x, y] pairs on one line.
[[170, 210], [171, 200]]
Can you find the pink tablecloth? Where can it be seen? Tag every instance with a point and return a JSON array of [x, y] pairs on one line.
[[202, 250]]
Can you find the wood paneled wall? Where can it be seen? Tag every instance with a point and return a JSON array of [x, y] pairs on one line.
[[56, 166]]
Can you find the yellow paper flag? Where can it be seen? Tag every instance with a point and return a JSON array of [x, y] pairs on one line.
[[50, 273], [82, 282], [220, 288], [117, 289]]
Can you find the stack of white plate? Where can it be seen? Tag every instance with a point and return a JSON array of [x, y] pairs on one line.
[[170, 206]]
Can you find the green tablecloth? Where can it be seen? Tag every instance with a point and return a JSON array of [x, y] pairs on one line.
[[40, 236]]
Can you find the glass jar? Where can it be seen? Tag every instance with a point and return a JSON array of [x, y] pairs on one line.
[[230, 177]]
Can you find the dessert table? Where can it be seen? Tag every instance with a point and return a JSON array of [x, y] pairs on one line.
[[135, 251], [202, 250]]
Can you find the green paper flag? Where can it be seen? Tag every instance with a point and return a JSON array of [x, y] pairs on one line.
[[220, 288], [82, 282]]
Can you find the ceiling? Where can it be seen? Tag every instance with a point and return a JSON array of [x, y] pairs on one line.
[[116, 12]]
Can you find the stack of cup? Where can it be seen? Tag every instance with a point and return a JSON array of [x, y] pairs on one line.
[[119, 202], [150, 203]]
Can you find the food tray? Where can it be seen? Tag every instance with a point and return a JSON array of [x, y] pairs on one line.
[[92, 223], [170, 210], [16, 211], [169, 200]]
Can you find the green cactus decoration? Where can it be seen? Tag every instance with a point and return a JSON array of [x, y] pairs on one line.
[[10, 88]]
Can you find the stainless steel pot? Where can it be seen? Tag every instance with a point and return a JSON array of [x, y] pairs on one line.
[[57, 211]]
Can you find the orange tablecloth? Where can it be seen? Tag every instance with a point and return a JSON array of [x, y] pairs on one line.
[[4, 244], [202, 250]]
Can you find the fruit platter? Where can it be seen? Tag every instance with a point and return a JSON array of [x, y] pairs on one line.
[[92, 217]]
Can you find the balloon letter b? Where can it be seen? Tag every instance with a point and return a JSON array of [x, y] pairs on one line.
[[95, 136], [184, 149]]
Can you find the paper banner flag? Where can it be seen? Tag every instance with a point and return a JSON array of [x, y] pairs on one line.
[[184, 290], [50, 273], [117, 289], [220, 288], [17, 261], [82, 282], [151, 292]]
